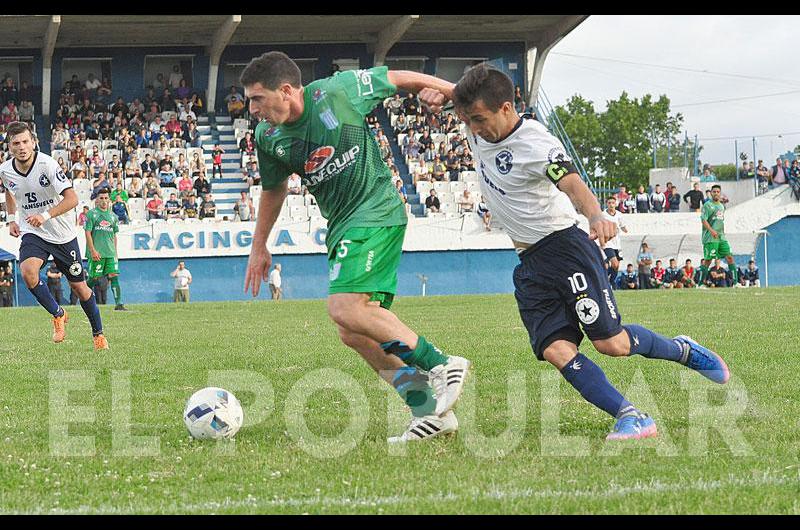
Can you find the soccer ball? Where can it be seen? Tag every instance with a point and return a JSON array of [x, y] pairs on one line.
[[213, 413]]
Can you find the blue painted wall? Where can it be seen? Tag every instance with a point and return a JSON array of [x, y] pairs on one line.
[[783, 250], [306, 276]]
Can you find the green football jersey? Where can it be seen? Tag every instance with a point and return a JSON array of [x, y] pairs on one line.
[[103, 226], [714, 213], [332, 149]]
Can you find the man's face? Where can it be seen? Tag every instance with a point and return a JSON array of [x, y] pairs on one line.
[[102, 201], [672, 264], [181, 265], [492, 126], [697, 187], [751, 265], [270, 105], [611, 204], [630, 267], [21, 146], [715, 194]]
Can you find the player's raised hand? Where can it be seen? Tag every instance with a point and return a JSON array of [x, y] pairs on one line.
[[601, 229], [96, 256], [257, 269], [13, 229], [432, 98]]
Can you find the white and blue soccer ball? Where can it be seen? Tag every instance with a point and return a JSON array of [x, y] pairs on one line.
[[213, 413]]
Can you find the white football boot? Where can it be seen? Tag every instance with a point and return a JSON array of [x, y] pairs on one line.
[[426, 427], [447, 381]]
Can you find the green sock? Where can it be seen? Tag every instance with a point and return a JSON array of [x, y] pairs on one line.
[[734, 272], [425, 356], [703, 274], [115, 288], [415, 390]]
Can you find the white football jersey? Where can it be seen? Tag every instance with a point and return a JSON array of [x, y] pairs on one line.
[[36, 192], [617, 219], [515, 185]]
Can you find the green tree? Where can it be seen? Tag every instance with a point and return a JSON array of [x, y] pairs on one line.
[[582, 124]]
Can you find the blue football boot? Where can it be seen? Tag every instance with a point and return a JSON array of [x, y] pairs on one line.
[[633, 426], [703, 360]]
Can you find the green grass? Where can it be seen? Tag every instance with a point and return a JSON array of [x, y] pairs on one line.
[[171, 350]]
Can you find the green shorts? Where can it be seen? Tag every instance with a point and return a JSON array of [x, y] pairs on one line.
[[365, 260], [716, 249], [102, 267]]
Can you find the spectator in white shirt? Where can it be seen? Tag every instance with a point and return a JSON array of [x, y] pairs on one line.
[[295, 184], [275, 282], [658, 201], [175, 77], [183, 278]]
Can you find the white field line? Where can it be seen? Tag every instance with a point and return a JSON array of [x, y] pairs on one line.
[[612, 490]]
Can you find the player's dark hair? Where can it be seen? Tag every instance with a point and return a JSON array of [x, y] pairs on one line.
[[103, 191], [17, 127], [716, 186], [482, 82], [271, 69]]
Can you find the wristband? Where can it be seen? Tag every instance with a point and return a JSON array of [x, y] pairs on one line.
[[46, 216], [11, 218]]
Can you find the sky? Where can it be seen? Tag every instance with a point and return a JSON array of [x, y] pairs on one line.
[[695, 60]]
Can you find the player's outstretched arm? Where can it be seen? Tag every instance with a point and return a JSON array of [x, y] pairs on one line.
[[586, 203], [431, 90], [269, 207], [11, 211]]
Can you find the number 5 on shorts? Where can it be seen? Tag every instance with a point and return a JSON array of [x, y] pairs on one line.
[[342, 252]]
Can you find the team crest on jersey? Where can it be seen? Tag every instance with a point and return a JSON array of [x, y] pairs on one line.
[[76, 268], [272, 131], [279, 150], [504, 161], [11, 184], [588, 310], [318, 158], [318, 95], [61, 176], [44, 181]]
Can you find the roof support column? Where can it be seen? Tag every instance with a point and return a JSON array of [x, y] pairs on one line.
[[389, 36], [50, 37], [220, 40]]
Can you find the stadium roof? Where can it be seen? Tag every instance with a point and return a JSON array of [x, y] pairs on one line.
[[28, 31]]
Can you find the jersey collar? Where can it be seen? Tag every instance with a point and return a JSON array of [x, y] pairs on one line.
[[20, 173], [504, 138]]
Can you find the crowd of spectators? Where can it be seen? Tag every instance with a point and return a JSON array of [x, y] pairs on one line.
[[648, 275], [658, 200]]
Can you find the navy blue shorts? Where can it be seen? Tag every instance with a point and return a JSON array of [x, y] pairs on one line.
[[67, 257], [561, 288]]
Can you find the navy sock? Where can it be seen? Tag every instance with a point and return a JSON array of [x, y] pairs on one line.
[[46, 300], [413, 387], [652, 345], [93, 312], [591, 382]]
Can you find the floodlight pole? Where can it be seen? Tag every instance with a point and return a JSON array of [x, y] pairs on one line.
[[424, 280], [50, 37], [221, 39]]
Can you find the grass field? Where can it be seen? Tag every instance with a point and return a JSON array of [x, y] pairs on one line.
[[552, 460]]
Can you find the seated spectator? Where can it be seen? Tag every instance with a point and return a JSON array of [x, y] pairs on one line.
[[132, 167], [208, 208], [453, 164], [190, 210], [79, 169], [91, 85], [201, 186], [629, 280], [246, 145], [61, 164], [401, 125], [100, 183], [401, 190], [183, 90], [10, 113], [173, 126], [750, 275], [120, 209], [192, 136], [411, 105], [395, 105], [184, 185], [149, 165], [59, 137], [172, 207], [9, 91], [135, 188], [439, 170], [672, 276], [167, 102], [151, 187], [119, 191], [467, 162], [716, 276], [167, 177], [115, 167], [186, 114], [235, 103], [250, 174], [308, 199], [432, 203], [26, 111], [182, 165], [197, 166], [425, 141], [657, 275], [295, 184], [243, 209], [144, 138], [465, 202], [687, 275], [155, 208], [198, 106], [485, 214], [412, 147]]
